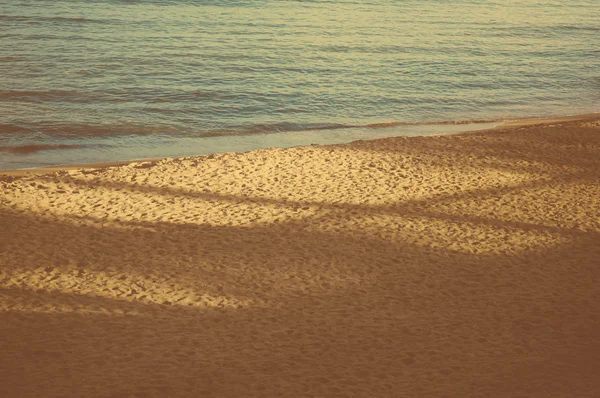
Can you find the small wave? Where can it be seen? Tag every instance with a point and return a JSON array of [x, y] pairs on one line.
[[32, 19], [49, 131], [144, 96], [11, 128], [36, 96], [27, 149], [289, 127], [445, 122], [576, 27], [273, 128], [67, 19]]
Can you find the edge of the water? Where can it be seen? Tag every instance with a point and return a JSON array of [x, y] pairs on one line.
[[102, 165]]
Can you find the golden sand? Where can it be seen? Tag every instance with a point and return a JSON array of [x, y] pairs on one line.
[[463, 265]]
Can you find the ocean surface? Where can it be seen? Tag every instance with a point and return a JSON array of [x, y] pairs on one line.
[[88, 81]]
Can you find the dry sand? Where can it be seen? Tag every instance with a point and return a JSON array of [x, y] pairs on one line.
[[464, 265]]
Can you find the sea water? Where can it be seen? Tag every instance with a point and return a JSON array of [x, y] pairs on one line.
[[86, 81]]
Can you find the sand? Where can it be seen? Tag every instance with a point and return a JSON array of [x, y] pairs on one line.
[[447, 266]]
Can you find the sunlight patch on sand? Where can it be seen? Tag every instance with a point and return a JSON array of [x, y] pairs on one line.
[[125, 287], [435, 232], [262, 193], [24, 304], [76, 200]]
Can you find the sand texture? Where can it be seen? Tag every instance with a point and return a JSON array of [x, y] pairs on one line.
[[449, 266]]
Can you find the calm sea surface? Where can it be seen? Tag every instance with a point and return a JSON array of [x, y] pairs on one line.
[[87, 81]]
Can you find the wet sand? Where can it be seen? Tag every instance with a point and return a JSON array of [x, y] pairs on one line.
[[462, 265]]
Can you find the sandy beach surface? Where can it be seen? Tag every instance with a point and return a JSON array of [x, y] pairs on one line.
[[449, 266]]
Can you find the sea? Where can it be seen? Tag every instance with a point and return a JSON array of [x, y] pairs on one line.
[[85, 81]]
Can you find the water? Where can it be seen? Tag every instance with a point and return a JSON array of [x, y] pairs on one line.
[[87, 81]]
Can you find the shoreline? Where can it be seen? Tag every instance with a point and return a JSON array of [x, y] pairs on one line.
[[450, 265], [98, 165]]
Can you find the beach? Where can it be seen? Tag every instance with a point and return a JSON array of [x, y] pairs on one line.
[[442, 266]]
